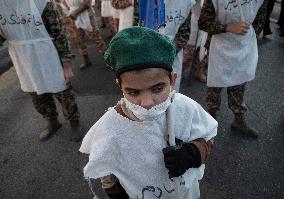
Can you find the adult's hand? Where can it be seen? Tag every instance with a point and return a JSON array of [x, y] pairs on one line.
[[68, 72], [240, 28]]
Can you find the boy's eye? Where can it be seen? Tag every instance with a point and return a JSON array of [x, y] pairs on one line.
[[158, 89], [133, 93]]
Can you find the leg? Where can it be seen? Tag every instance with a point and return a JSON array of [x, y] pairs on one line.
[[69, 106], [188, 54], [95, 35], [236, 99], [237, 105], [201, 68], [83, 49], [213, 100], [45, 105], [112, 187], [70, 110], [266, 29]]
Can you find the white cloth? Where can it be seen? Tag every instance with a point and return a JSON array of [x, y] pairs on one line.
[[125, 16], [176, 13], [202, 41], [177, 67], [132, 150], [233, 58], [32, 51], [194, 30], [83, 19], [106, 8]]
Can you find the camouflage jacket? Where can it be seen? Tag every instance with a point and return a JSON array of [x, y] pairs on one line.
[[54, 26], [207, 20], [183, 34], [55, 29]]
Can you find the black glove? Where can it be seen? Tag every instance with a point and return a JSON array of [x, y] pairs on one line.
[[180, 158]]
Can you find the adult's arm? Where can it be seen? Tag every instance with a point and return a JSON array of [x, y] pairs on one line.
[[85, 5], [54, 26], [207, 20], [182, 36]]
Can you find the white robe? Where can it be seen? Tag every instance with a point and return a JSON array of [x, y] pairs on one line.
[[31, 49], [83, 19], [233, 58], [176, 14], [132, 150]]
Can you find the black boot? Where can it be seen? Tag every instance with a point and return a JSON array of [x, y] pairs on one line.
[[241, 126], [75, 134], [52, 126], [282, 32], [87, 62]]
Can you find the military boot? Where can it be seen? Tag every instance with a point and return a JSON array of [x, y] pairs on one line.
[[200, 70], [241, 126], [75, 134], [52, 126], [87, 62]]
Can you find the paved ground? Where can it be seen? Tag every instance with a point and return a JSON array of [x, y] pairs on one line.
[[238, 168]]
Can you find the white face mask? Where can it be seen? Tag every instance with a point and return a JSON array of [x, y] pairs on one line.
[[151, 114]]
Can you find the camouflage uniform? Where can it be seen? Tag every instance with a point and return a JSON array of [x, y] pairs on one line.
[[208, 23], [45, 103], [67, 21], [182, 36], [235, 99], [95, 35], [78, 35]]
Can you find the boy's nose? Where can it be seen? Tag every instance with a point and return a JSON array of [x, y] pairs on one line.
[[147, 101]]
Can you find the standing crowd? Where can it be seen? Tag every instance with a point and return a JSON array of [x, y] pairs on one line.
[[155, 141]]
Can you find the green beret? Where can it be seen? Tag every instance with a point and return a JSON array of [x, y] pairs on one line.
[[138, 48]]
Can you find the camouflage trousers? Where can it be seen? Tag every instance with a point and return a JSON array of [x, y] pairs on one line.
[[45, 104], [95, 35], [235, 98]]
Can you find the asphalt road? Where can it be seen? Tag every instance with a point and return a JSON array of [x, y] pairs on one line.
[[238, 168]]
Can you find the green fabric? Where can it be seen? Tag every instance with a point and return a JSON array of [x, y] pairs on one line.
[[138, 48]]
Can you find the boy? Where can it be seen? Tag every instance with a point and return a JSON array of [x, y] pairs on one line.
[[233, 53], [130, 140]]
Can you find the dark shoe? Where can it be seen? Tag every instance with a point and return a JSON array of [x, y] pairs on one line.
[[239, 125], [87, 62], [75, 134], [52, 126], [267, 32]]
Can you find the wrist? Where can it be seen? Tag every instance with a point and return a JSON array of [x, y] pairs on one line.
[[194, 153], [228, 28]]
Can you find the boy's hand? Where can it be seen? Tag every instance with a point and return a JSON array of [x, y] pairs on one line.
[[180, 158], [240, 28]]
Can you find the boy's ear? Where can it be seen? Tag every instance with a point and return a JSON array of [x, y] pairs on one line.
[[118, 82], [173, 79]]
